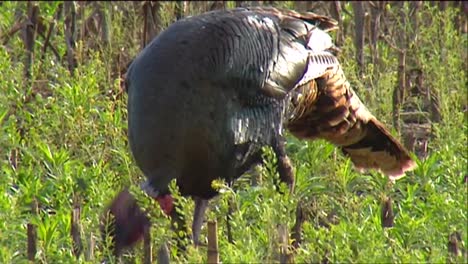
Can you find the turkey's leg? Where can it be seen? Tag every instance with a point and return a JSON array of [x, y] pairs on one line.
[[284, 167], [198, 216]]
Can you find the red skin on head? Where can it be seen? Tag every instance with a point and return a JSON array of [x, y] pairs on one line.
[[166, 202]]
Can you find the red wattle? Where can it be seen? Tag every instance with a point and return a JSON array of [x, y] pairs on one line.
[[166, 202]]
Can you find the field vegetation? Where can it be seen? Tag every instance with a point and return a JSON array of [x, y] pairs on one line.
[[63, 139]]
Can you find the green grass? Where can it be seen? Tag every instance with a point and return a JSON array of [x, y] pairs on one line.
[[69, 133]]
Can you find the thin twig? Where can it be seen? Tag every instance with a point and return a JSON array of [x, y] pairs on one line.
[[15, 28]]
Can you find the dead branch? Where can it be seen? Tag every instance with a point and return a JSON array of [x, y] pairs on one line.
[[399, 91], [76, 229], [147, 246], [218, 5], [104, 25], [152, 21], [387, 213], [213, 254], [32, 233], [296, 233], [58, 15], [359, 34], [19, 24], [89, 256], [70, 34], [163, 254], [285, 256], [29, 38], [336, 10]]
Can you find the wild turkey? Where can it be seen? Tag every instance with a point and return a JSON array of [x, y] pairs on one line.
[[207, 93]]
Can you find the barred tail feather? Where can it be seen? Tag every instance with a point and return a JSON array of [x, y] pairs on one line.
[[379, 150], [329, 109]]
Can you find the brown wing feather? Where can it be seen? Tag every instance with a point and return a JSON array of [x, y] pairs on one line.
[[336, 114]]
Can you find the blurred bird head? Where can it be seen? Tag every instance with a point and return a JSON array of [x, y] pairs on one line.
[[123, 222]]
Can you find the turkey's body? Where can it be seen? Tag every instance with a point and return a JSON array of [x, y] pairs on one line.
[[211, 90], [206, 94]]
